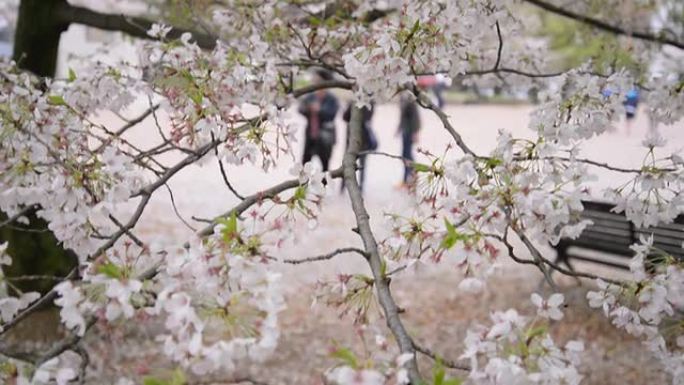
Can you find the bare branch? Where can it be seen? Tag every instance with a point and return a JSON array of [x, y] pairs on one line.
[[602, 25], [425, 102], [42, 301], [448, 363], [552, 265], [127, 126], [133, 26], [250, 200], [347, 85], [537, 257], [390, 308], [328, 256], [595, 163], [498, 53]]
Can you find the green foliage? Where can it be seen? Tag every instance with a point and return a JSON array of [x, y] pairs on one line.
[[110, 270], [56, 100], [176, 378], [230, 227], [72, 75], [439, 375], [346, 356], [452, 236]]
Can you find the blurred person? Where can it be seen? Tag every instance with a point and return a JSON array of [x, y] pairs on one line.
[[409, 126], [631, 103], [319, 108], [369, 141]]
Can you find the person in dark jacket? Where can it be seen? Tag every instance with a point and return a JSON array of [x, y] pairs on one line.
[[369, 141], [409, 126], [319, 108]]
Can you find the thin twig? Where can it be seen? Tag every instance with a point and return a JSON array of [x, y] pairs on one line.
[[600, 24], [39, 303], [328, 256], [425, 102], [448, 363], [16, 216]]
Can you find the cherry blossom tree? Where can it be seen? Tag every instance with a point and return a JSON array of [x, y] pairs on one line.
[[226, 89]]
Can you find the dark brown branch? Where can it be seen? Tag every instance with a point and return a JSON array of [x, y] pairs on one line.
[[425, 102], [436, 357], [227, 182], [498, 53], [175, 208], [513, 71], [602, 165], [390, 308], [602, 25], [127, 126], [328, 256], [347, 85], [42, 301], [539, 259], [133, 26], [552, 265], [250, 200]]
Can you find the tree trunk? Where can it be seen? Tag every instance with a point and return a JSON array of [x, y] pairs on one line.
[[33, 247], [36, 42]]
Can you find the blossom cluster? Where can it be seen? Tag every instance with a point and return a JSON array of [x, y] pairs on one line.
[[651, 307], [516, 350]]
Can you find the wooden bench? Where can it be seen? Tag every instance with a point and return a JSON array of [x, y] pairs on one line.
[[612, 233]]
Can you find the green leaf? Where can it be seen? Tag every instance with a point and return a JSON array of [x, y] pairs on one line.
[[438, 373], [452, 237], [178, 377], [110, 270], [230, 226], [154, 381], [419, 167], [196, 96], [56, 100], [493, 162], [72, 75], [300, 193], [535, 332], [347, 356]]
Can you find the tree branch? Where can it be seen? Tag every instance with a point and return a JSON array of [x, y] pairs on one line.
[[248, 201], [602, 25], [436, 357], [133, 26], [44, 300], [425, 102], [328, 256], [390, 308]]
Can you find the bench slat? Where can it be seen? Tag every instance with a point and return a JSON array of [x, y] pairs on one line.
[[613, 233]]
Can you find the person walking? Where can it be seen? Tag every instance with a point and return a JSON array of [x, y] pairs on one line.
[[319, 108], [409, 126], [369, 141]]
